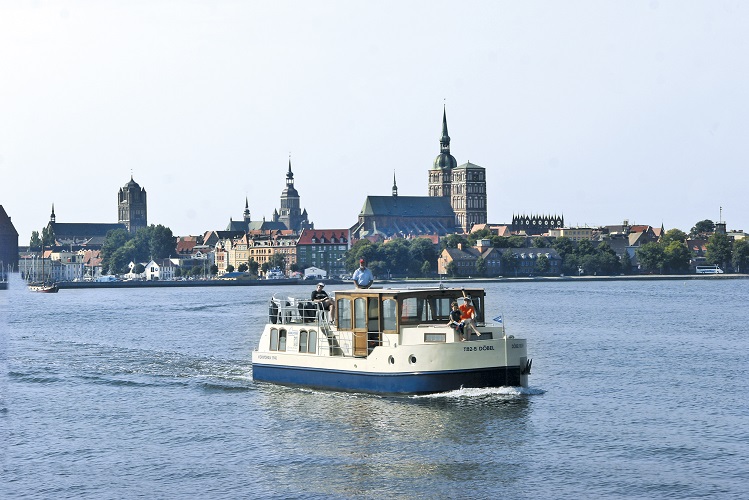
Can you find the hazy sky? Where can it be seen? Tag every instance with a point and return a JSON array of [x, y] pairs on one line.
[[597, 110]]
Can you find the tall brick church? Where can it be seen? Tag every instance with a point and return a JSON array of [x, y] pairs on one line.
[[464, 185], [456, 201]]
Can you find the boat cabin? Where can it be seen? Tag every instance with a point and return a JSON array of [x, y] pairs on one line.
[[384, 316]]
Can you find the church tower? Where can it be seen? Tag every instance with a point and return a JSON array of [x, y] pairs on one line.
[[440, 176], [132, 206], [464, 185], [290, 213]]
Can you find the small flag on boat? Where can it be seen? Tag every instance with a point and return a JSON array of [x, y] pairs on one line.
[[498, 319]]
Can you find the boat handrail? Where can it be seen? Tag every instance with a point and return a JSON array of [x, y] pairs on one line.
[[285, 310]]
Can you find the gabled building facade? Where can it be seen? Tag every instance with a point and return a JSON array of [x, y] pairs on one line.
[[324, 248]]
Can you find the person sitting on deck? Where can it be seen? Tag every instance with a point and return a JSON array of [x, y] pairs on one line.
[[321, 297], [467, 317], [455, 320]]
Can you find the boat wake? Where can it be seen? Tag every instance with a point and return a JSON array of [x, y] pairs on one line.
[[483, 392]]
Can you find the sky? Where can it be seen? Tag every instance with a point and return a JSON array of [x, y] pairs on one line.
[[600, 111]]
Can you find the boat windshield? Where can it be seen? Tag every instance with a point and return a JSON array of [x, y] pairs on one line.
[[433, 309]]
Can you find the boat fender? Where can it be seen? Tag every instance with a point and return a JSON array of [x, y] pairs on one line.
[[273, 312]]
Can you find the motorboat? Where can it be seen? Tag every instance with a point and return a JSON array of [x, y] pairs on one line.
[[387, 341]]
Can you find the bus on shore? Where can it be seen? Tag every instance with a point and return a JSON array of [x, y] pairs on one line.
[[708, 269]]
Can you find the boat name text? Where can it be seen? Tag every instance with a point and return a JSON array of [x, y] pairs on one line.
[[470, 348], [263, 356]]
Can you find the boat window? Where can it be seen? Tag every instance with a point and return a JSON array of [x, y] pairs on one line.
[[434, 337], [303, 341], [373, 315], [388, 315], [274, 339], [282, 340], [312, 347], [415, 310], [360, 314], [343, 309], [441, 308]]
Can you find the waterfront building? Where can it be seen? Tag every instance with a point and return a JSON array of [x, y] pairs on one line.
[[132, 206], [498, 261], [573, 233], [8, 242], [260, 246], [325, 249]]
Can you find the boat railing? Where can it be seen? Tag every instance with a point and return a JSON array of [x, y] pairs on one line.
[[293, 310]]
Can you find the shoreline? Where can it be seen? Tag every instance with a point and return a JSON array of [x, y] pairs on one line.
[[79, 285]]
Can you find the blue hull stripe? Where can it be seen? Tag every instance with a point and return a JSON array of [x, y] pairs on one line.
[[387, 383]]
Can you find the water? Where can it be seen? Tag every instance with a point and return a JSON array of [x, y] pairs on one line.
[[638, 390]]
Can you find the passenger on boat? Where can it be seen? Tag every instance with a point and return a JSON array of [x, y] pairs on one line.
[[455, 320], [321, 297], [467, 317], [363, 276]]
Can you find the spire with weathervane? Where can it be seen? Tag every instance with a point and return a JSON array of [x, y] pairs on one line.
[[395, 186]]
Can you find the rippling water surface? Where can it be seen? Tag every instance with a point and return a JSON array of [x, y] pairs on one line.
[[638, 390]]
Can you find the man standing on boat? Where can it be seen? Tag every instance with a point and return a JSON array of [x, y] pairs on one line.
[[320, 296], [363, 276]]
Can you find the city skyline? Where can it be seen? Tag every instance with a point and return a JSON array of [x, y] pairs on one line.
[[599, 111]]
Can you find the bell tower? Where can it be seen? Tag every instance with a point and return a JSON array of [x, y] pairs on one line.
[[132, 206]]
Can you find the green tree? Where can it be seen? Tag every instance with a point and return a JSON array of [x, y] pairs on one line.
[[651, 257], [483, 234], [542, 266], [608, 261], [36, 242], [626, 263], [213, 270], [426, 268], [48, 236], [161, 242], [501, 242], [481, 266], [516, 241], [740, 255], [229, 268], [452, 241], [540, 242], [718, 249], [254, 266], [676, 257], [585, 247], [423, 250], [702, 228], [450, 268], [508, 263], [673, 235], [242, 267], [396, 256]]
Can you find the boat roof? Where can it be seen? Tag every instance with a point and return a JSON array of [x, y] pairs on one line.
[[413, 291]]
